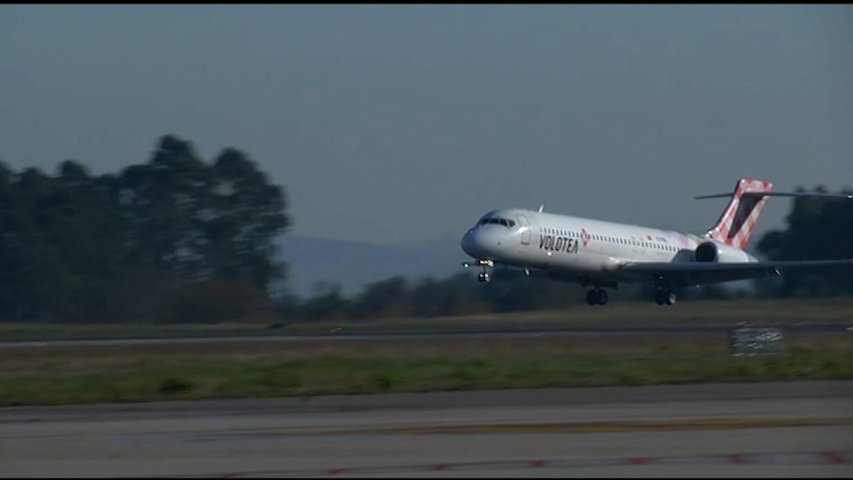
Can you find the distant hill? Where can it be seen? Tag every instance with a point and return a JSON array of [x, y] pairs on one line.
[[352, 265]]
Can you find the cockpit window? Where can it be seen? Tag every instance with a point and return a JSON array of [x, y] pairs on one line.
[[497, 221]]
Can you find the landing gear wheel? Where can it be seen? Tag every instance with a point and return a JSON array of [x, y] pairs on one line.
[[484, 277], [596, 297], [591, 298], [665, 297]]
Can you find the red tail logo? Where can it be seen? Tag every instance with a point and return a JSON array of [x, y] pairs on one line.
[[738, 219]]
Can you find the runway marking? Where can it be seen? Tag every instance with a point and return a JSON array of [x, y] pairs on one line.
[[758, 458], [604, 427], [569, 427], [835, 457]]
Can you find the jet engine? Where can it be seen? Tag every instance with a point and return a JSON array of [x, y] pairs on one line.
[[716, 252]]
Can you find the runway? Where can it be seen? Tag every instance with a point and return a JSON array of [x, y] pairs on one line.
[[424, 335], [791, 429]]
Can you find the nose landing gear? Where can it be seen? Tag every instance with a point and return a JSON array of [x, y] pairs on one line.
[[483, 276]]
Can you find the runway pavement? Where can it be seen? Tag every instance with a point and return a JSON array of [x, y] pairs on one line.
[[424, 335], [775, 429]]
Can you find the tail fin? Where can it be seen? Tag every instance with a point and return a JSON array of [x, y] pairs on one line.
[[738, 219]]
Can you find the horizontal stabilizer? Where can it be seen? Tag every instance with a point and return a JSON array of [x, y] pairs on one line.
[[827, 196]]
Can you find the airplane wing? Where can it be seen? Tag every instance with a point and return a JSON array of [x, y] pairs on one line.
[[693, 273]]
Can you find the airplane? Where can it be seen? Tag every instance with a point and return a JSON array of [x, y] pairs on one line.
[[603, 254]]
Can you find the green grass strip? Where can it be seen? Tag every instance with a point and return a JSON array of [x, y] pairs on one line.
[[323, 375]]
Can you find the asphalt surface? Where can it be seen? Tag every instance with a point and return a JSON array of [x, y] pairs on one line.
[[784, 429], [344, 336]]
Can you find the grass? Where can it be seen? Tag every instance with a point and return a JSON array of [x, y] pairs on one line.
[[67, 375], [638, 314]]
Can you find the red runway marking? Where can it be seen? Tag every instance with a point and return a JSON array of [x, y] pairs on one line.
[[774, 458], [835, 457]]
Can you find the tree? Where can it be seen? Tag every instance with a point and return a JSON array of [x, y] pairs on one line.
[[817, 229], [384, 298], [80, 247]]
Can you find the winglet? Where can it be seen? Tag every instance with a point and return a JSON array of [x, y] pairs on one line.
[[541, 207]]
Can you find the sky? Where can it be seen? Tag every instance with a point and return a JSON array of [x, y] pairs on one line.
[[394, 124]]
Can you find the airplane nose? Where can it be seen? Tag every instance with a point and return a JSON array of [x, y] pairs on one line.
[[478, 244], [469, 244]]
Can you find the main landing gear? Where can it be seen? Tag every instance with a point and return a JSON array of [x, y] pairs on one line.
[[596, 296], [484, 276], [665, 296]]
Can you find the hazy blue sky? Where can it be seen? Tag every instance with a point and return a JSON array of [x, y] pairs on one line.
[[399, 123]]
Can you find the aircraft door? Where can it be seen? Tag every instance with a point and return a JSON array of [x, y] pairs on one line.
[[525, 229]]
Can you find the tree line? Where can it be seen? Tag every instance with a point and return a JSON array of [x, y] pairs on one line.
[[178, 239], [817, 229], [172, 237]]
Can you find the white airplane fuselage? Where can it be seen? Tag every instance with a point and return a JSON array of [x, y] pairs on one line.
[[591, 250], [604, 254]]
